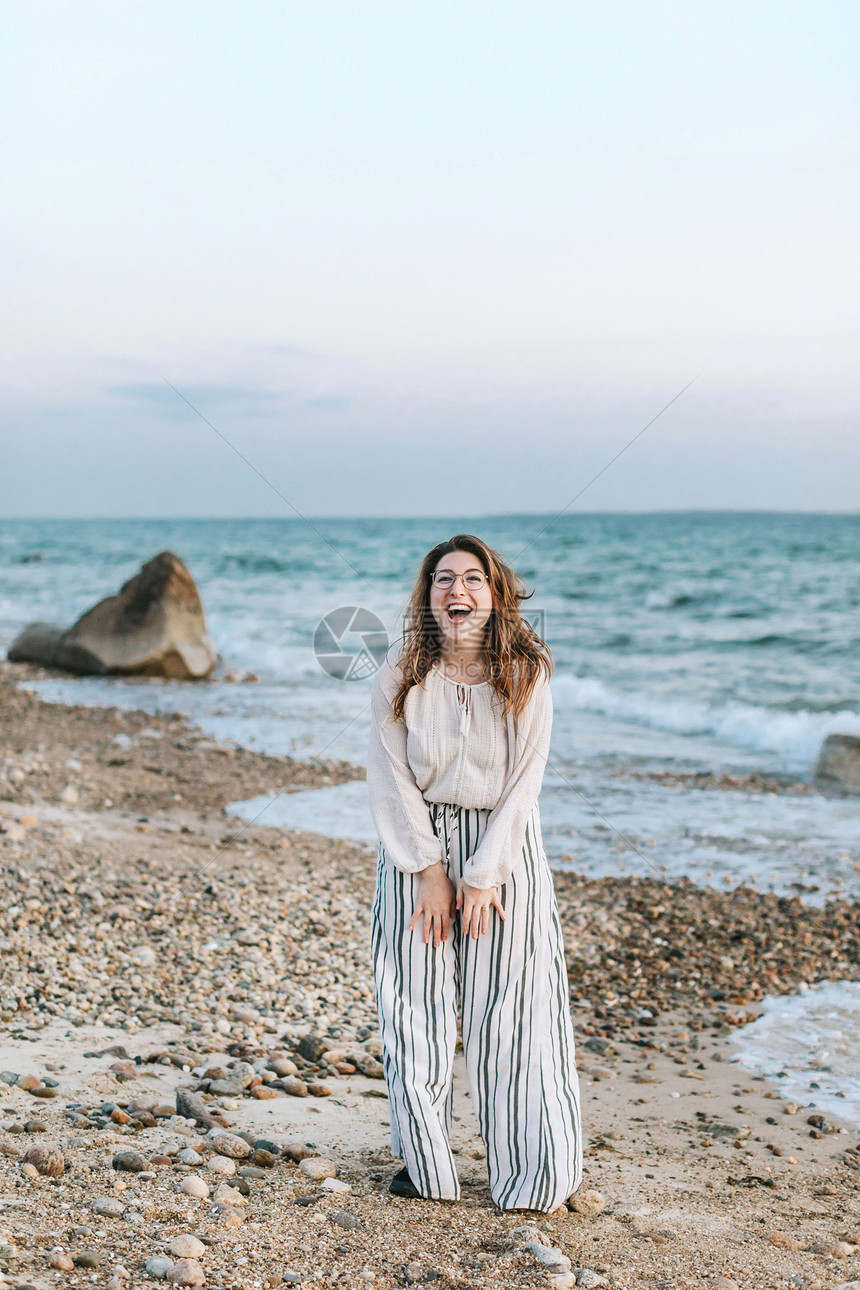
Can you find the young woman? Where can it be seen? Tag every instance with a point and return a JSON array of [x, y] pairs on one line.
[[465, 916]]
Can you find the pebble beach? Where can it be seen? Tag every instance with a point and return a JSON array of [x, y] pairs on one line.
[[191, 1089]]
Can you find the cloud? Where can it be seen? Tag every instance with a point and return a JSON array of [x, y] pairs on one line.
[[245, 399]]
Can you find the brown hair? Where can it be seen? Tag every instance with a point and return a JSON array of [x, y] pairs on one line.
[[514, 655]]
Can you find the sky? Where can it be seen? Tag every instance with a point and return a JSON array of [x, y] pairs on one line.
[[437, 258]]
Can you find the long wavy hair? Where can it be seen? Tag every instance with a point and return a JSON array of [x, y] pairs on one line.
[[515, 657]]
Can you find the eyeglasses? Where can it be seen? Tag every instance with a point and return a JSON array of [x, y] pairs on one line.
[[472, 579]]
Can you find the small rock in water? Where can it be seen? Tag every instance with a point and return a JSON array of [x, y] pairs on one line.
[[187, 1247]]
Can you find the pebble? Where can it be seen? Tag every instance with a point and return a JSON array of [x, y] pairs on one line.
[[187, 1247], [60, 1259], [587, 1203], [192, 1107], [187, 1272], [88, 1258], [194, 1186], [158, 1267], [221, 1165], [294, 1086], [311, 1047], [337, 1185], [589, 1278], [227, 1195], [317, 1168], [549, 1256], [230, 1087], [230, 1144], [283, 1066], [108, 1207], [296, 1151], [130, 1162], [46, 1159], [413, 1273], [187, 1156], [346, 1220], [783, 1241], [835, 1250]]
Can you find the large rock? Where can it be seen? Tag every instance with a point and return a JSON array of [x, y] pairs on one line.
[[154, 626], [837, 766]]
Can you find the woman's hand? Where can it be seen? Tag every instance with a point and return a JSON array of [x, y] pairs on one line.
[[476, 903], [435, 903]]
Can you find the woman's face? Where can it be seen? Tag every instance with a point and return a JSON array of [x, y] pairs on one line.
[[460, 608]]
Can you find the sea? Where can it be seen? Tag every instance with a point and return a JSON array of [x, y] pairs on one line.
[[686, 645]]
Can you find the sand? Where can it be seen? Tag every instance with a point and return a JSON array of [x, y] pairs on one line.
[[137, 914]]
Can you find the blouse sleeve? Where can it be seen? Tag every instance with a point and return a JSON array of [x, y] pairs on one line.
[[501, 847], [400, 813]]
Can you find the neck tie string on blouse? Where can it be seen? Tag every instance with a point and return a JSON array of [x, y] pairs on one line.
[[464, 698]]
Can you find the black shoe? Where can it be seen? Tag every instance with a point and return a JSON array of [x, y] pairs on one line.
[[402, 1185]]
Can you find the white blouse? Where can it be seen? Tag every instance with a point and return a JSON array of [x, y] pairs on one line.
[[456, 747]]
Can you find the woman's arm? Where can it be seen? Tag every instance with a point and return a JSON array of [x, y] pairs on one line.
[[500, 848], [400, 813]]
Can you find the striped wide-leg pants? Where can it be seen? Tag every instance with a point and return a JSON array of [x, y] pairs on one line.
[[511, 989]]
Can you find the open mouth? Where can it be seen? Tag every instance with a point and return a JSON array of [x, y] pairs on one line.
[[458, 613]]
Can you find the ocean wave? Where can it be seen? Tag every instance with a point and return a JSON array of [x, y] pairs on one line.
[[795, 736]]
